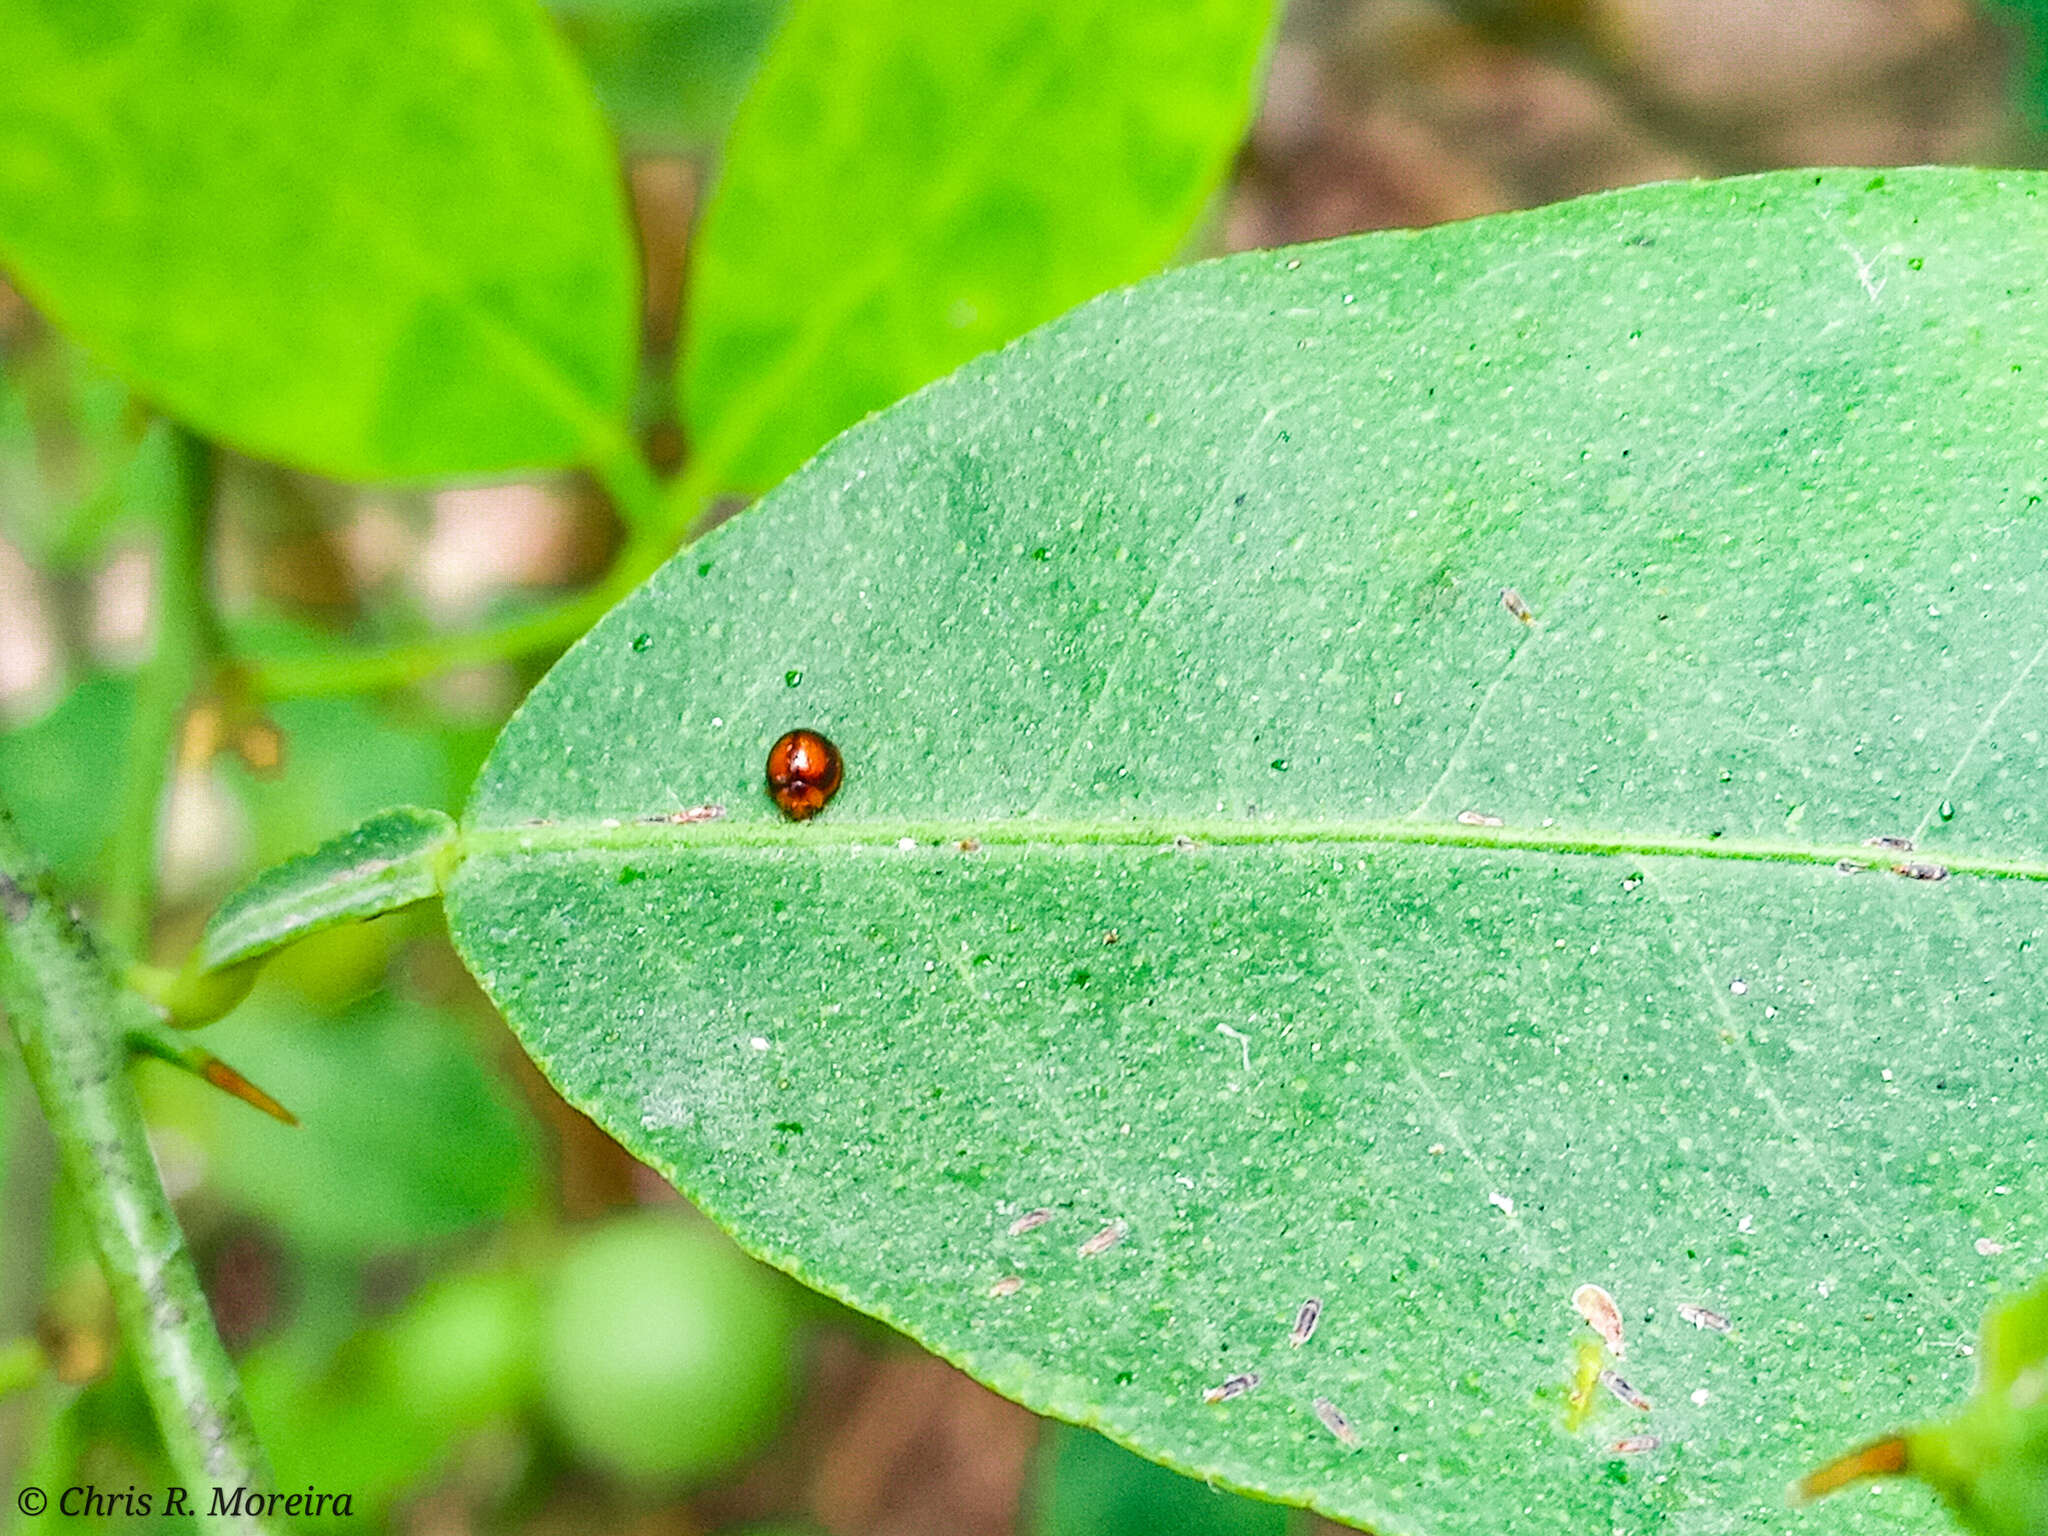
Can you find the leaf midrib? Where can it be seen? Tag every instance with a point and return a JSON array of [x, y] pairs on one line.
[[623, 835]]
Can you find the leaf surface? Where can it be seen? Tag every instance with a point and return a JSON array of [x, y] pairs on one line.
[[379, 240], [1221, 855], [908, 184], [391, 860]]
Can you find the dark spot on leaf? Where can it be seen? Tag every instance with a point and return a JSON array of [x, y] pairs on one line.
[[1078, 978], [631, 874], [790, 1127], [14, 901], [1041, 553], [704, 569], [642, 641]]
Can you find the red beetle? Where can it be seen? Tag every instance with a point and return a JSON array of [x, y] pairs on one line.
[[803, 773]]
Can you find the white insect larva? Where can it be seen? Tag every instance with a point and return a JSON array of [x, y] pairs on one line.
[[1305, 1322], [1030, 1221], [1009, 1285], [1335, 1422], [1702, 1317], [1511, 600], [1602, 1316], [1635, 1445], [1479, 819], [1896, 844], [1234, 1386], [1104, 1240]]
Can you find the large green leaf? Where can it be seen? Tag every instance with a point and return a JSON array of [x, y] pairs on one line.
[[380, 239], [1341, 928], [911, 182]]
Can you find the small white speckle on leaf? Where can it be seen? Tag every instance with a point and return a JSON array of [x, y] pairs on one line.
[[1700, 1396], [1989, 1247], [1746, 1225], [1479, 819], [759, 1043], [1739, 987], [906, 845], [1501, 1203]]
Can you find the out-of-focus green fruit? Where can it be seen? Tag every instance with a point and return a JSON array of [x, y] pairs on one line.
[[667, 1353], [462, 1352]]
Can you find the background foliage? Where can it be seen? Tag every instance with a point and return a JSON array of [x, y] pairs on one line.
[[303, 284]]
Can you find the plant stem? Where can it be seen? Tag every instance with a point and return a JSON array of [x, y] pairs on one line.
[[71, 1022], [185, 642]]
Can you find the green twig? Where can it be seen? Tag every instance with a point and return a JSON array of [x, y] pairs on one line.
[[72, 1023], [186, 641]]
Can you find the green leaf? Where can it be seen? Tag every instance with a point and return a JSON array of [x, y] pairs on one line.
[[377, 240], [669, 71], [909, 184], [44, 764], [1990, 1461], [1088, 1487], [404, 1133], [2030, 77], [1338, 930], [391, 860]]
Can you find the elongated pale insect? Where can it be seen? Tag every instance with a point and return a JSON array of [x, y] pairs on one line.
[[1233, 1386], [1030, 1221], [1479, 819], [1703, 1317], [1009, 1285], [1612, 1381], [1921, 871], [1602, 1316], [1104, 1240], [1635, 1445], [1511, 600], [1305, 1322], [1335, 1422]]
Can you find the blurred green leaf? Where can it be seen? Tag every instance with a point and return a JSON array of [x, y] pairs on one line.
[[377, 240], [45, 764], [380, 1414], [669, 72], [911, 182], [405, 1133], [78, 459], [1231, 865], [346, 759], [1087, 1486], [2030, 77]]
